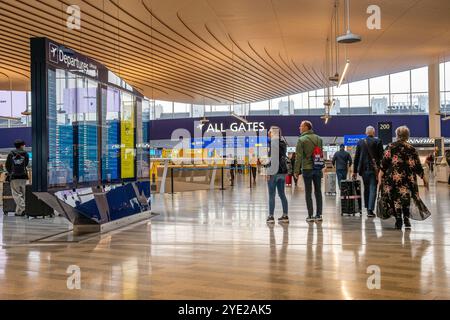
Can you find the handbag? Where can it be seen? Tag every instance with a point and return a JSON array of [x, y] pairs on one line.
[[384, 208], [418, 210]]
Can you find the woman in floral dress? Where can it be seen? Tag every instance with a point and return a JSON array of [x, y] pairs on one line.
[[398, 176]]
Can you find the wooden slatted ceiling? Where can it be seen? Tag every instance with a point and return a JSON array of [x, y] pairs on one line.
[[207, 51]]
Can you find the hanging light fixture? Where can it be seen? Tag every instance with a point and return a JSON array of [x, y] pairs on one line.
[[349, 37], [335, 77], [344, 73]]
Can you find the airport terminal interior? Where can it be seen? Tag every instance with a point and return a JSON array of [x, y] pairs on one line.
[[142, 143]]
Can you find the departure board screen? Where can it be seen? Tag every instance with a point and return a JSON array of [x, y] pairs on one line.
[[110, 134], [98, 126], [127, 146], [60, 129], [86, 130]]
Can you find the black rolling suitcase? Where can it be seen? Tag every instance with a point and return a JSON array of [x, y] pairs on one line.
[[351, 201], [35, 208], [8, 202]]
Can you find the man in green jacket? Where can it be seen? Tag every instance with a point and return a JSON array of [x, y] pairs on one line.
[[304, 165]]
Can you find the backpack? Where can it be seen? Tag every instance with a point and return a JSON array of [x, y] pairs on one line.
[[317, 156], [18, 165]]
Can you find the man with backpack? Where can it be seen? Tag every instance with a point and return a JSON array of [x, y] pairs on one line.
[[309, 162], [16, 165]]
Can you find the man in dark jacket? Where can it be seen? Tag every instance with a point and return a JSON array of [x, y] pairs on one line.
[[342, 160], [369, 154], [16, 165]]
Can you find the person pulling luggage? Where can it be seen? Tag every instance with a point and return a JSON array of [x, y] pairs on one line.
[[369, 153], [342, 160]]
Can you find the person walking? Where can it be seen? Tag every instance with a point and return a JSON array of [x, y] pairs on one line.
[[342, 160], [276, 174], [398, 177], [233, 171], [16, 165], [369, 153], [447, 158], [308, 156], [253, 168], [293, 166], [430, 163]]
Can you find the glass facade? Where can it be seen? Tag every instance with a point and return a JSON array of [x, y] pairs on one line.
[[399, 93], [445, 86]]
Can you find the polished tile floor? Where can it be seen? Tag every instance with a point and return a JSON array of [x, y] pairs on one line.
[[216, 245]]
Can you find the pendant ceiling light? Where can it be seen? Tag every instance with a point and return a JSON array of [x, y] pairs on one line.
[[349, 37], [335, 28]]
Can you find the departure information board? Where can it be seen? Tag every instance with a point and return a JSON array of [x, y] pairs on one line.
[[127, 150], [94, 125]]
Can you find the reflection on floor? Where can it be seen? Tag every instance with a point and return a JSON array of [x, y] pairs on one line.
[[214, 245]]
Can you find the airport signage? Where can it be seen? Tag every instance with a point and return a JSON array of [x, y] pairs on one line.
[[233, 127], [352, 140], [70, 60], [385, 132]]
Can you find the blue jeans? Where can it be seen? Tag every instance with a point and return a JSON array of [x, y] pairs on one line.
[[311, 177], [370, 189], [341, 175], [277, 182]]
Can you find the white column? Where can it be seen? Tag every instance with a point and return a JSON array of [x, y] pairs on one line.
[[434, 101]]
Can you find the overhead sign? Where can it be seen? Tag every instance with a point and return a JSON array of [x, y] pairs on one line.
[[352, 140], [385, 132], [71, 60], [234, 127]]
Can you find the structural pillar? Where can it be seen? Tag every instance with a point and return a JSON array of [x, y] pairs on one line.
[[434, 101]]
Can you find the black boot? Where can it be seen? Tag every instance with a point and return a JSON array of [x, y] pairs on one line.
[[407, 222], [398, 223]]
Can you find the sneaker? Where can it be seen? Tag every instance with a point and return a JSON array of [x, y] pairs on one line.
[[318, 218], [407, 223], [398, 223], [371, 214], [284, 219], [270, 219], [310, 219]]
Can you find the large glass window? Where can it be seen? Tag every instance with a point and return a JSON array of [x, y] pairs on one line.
[[359, 87], [183, 108], [379, 85], [379, 103], [260, 106], [444, 69], [400, 82], [198, 111], [400, 103], [163, 109], [419, 80], [300, 101], [360, 102]]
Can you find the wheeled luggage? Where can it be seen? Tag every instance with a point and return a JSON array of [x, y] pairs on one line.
[[34, 207], [288, 180], [351, 201], [8, 202], [330, 184]]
